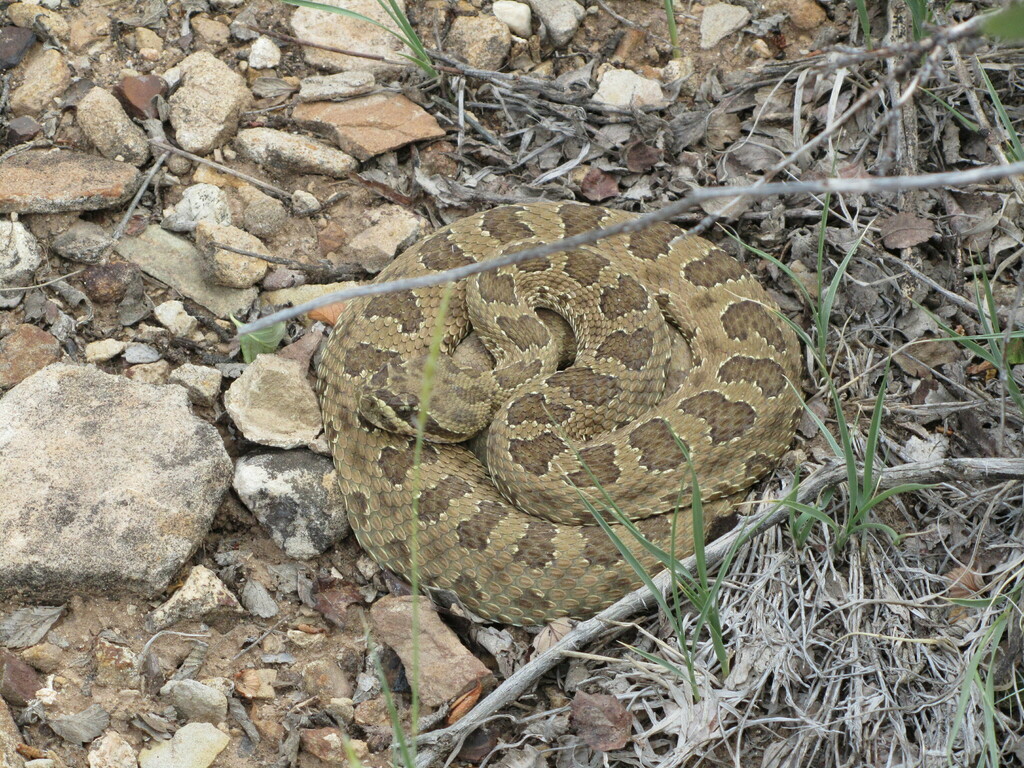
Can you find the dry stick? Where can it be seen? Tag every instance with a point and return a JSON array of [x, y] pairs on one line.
[[691, 200], [967, 80], [438, 743], [269, 188], [321, 273]]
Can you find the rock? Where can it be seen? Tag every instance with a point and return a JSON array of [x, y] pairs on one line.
[[84, 242], [176, 262], [199, 202], [18, 681], [172, 316], [446, 668], [25, 351], [137, 353], [273, 404], [52, 181], [264, 216], [623, 88], [351, 34], [22, 129], [481, 41], [138, 93], [806, 15], [15, 42], [517, 16], [206, 107], [331, 746], [149, 373], [369, 125], [117, 666], [214, 33], [195, 745], [339, 87], [108, 485], [300, 294], [258, 601], [112, 751], [107, 283], [203, 597], [325, 680], [295, 497], [20, 255], [561, 18], [45, 657], [272, 149], [103, 350], [196, 702], [105, 123], [719, 21], [264, 53], [29, 15], [392, 228], [303, 203], [10, 739], [46, 77], [202, 382], [234, 270]]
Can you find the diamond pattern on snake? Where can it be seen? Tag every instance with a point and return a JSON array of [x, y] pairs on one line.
[[591, 404]]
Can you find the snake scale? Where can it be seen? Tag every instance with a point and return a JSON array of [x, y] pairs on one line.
[[513, 539]]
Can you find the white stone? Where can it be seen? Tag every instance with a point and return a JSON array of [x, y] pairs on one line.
[[516, 15], [172, 316], [200, 202], [719, 21], [264, 53], [195, 745], [103, 350], [273, 404], [561, 18], [201, 381], [343, 85], [623, 88]]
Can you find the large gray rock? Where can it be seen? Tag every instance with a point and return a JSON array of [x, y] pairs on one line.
[[295, 495], [108, 485], [206, 108]]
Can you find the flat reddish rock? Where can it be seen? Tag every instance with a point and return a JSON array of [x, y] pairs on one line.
[[24, 351], [446, 667], [370, 125], [45, 181]]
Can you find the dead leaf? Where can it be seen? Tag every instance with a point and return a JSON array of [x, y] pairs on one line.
[[905, 230], [641, 157], [328, 315], [478, 745], [464, 703], [964, 583], [598, 185], [28, 626], [601, 721], [333, 597], [551, 634], [81, 727]]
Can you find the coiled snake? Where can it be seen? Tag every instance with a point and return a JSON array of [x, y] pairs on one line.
[[513, 540]]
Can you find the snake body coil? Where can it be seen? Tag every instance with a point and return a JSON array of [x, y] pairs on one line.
[[513, 540]]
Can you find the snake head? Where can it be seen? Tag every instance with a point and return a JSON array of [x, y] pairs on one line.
[[391, 399]]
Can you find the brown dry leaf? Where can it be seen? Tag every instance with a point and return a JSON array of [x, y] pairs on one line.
[[247, 683], [723, 129], [641, 157], [551, 634], [333, 597], [598, 185], [905, 230], [964, 583], [478, 745], [601, 721], [462, 704], [328, 315]]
